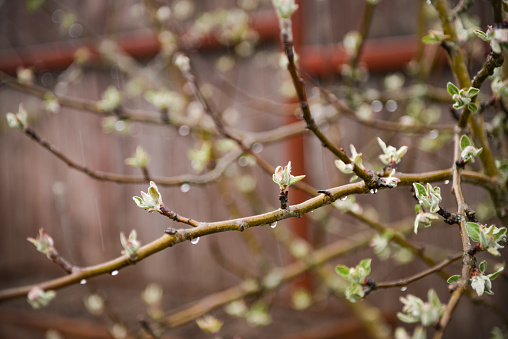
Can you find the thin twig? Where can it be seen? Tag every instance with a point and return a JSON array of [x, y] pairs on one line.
[[178, 218], [406, 281], [466, 245], [399, 239], [252, 287], [211, 176], [364, 31], [61, 262], [460, 71], [381, 124], [311, 124], [176, 236], [493, 61]]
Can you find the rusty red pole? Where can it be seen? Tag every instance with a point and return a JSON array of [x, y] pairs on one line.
[[295, 151]]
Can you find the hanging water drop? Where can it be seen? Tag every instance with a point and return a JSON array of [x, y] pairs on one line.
[[185, 188], [372, 191], [403, 288], [274, 224], [83, 281], [194, 241], [343, 197], [115, 272], [184, 130], [446, 182]]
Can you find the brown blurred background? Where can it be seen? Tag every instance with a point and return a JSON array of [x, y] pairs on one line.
[[86, 216]]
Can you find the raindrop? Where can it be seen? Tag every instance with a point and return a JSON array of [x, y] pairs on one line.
[[114, 72], [391, 106], [403, 288], [243, 161], [274, 224], [376, 106], [323, 126], [115, 272], [120, 125], [257, 147], [83, 281], [184, 130], [58, 188], [446, 182], [76, 30], [57, 16], [433, 134], [194, 241], [47, 79], [343, 197], [185, 188]]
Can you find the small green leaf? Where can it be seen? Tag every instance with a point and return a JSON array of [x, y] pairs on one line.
[[406, 318], [464, 142], [365, 263], [430, 40], [496, 47], [472, 107], [501, 232], [483, 266], [473, 91], [452, 89], [343, 271], [294, 179], [481, 35], [353, 178], [433, 298], [494, 275], [419, 190], [138, 201], [382, 144], [346, 169], [354, 292], [453, 278], [473, 230]]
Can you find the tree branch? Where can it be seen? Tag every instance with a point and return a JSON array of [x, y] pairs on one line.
[[406, 281], [311, 124]]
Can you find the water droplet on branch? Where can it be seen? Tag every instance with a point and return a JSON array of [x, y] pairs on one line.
[[194, 241], [184, 130], [343, 197], [83, 281], [115, 272], [403, 288], [273, 225]]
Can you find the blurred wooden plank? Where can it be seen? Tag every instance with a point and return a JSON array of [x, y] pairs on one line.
[[45, 321]]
